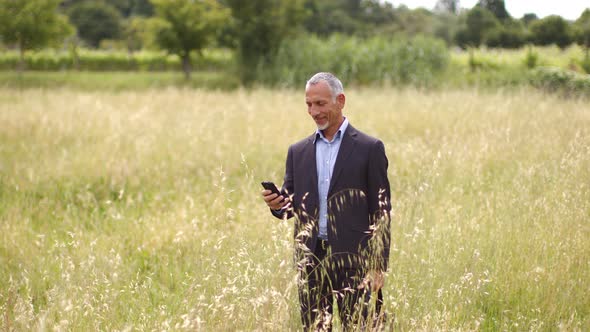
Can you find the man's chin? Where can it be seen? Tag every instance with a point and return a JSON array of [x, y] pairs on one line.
[[322, 126]]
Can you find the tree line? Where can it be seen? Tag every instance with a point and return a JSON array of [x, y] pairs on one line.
[[255, 29]]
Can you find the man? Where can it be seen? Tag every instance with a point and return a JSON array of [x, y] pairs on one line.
[[337, 189]]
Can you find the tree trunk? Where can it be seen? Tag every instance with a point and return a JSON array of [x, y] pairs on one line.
[[75, 56], [21, 60], [186, 66]]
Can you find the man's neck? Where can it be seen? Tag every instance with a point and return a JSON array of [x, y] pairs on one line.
[[329, 133]]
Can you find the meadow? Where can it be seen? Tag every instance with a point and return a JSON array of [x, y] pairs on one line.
[[141, 210]]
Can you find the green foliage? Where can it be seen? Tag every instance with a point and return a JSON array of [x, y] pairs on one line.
[[478, 24], [328, 17], [183, 27], [126, 8], [528, 18], [531, 59], [260, 26], [375, 60], [509, 35], [447, 6], [95, 21], [582, 29], [560, 80], [21, 23], [129, 8], [585, 62], [93, 60], [496, 7], [414, 22], [445, 27], [551, 30], [100, 81], [137, 34]]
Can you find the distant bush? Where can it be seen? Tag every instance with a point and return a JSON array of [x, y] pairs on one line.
[[512, 36], [585, 63], [91, 60], [531, 58], [559, 80], [476, 62], [358, 61]]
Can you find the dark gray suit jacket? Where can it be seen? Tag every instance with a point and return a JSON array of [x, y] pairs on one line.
[[358, 200]]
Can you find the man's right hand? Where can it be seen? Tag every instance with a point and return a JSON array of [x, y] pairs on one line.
[[274, 201]]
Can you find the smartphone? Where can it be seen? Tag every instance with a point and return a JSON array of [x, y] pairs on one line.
[[271, 186]]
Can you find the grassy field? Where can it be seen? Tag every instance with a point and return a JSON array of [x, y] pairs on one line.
[[549, 56], [117, 81], [140, 210]]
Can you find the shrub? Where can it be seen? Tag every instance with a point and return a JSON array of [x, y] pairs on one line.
[[559, 80], [95, 60], [358, 61], [531, 58], [585, 63]]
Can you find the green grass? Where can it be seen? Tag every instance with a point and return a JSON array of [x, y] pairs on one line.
[[116, 81], [548, 56], [140, 209]]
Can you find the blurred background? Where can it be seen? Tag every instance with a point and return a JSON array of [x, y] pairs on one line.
[[231, 43]]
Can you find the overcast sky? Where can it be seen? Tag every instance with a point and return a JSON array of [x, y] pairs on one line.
[[568, 9]]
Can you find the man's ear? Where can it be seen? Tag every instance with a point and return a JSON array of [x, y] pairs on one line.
[[341, 100]]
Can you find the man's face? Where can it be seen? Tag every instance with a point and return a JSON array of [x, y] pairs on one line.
[[326, 112]]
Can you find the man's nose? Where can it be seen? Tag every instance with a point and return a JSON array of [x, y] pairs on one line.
[[313, 111]]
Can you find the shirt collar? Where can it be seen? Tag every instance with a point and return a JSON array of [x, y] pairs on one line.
[[339, 133]]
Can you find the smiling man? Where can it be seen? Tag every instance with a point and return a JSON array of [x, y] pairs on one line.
[[337, 190]]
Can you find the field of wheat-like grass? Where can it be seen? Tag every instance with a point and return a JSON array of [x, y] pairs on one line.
[[141, 210]]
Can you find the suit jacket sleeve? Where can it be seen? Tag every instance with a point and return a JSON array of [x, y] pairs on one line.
[[379, 206], [287, 187]]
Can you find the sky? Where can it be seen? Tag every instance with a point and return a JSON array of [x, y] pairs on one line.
[[568, 9]]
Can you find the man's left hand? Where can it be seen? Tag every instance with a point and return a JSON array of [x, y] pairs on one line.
[[374, 279]]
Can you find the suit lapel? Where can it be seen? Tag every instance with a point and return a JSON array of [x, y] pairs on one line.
[[309, 162], [346, 148]]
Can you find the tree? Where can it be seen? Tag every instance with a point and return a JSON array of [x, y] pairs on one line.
[[260, 26], [126, 8], [478, 23], [551, 30], [582, 26], [132, 7], [497, 7], [327, 17], [21, 24], [95, 21], [136, 33], [415, 21], [377, 13], [445, 26], [582, 36], [447, 6], [528, 18], [509, 35], [351, 17], [183, 27]]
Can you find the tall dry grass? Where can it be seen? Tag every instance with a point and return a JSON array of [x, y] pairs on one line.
[[141, 210]]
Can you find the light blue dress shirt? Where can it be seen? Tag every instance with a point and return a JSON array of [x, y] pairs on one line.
[[326, 153]]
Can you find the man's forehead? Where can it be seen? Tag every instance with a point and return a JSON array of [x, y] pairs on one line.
[[317, 96], [318, 90]]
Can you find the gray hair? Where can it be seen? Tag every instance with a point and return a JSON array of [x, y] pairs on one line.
[[333, 83]]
